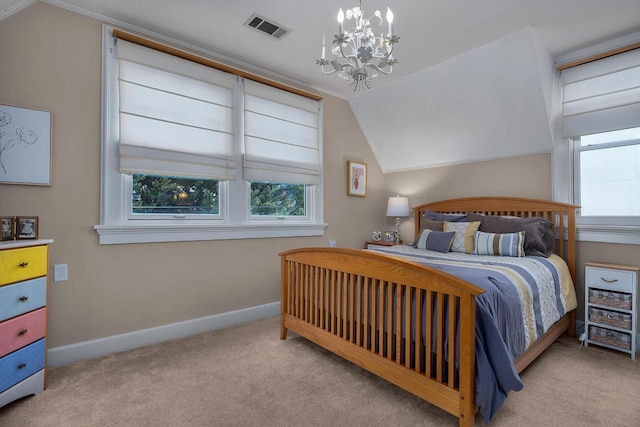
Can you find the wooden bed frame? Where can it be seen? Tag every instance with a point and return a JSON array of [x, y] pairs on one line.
[[340, 299]]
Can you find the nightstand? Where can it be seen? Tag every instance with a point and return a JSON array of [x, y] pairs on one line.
[[368, 244], [611, 306]]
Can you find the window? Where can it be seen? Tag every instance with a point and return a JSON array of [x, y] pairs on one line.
[[608, 176], [194, 153], [597, 164], [270, 199], [163, 195]]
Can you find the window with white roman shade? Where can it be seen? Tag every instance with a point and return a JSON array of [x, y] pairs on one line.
[[175, 116], [602, 95], [597, 155], [281, 137], [175, 140]]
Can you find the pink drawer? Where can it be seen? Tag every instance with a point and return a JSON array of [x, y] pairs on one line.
[[22, 330]]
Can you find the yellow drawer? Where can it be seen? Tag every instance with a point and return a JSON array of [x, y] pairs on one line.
[[22, 263]]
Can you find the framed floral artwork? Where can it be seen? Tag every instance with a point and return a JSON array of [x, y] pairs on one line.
[[25, 146], [356, 179]]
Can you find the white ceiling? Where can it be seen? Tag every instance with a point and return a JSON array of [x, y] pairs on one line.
[[430, 31], [473, 78]]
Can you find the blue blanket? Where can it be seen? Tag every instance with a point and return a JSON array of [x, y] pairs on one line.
[[523, 297]]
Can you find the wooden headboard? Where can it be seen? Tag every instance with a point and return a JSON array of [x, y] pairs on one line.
[[562, 215]]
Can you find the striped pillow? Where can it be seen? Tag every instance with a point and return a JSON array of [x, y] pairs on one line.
[[507, 244]]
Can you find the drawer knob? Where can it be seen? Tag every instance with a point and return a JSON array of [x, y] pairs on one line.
[[24, 298], [22, 366], [22, 332], [23, 264], [609, 280]]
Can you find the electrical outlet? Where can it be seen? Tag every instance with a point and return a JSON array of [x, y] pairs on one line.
[[60, 272]]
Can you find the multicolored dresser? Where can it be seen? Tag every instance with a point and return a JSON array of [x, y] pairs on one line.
[[23, 318]]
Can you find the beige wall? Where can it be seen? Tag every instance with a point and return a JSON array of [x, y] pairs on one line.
[[53, 62], [519, 177]]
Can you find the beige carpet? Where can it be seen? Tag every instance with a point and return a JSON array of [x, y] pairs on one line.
[[247, 376]]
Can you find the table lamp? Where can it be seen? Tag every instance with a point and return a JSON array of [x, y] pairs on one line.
[[398, 207]]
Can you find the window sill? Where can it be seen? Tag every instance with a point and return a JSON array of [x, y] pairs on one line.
[[127, 234], [629, 235]]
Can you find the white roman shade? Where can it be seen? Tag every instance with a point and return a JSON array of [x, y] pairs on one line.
[[602, 95], [176, 116], [282, 139]]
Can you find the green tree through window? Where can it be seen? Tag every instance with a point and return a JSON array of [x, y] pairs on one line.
[[172, 195], [277, 199]]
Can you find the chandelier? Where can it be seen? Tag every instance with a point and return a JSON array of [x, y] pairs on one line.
[[359, 53]]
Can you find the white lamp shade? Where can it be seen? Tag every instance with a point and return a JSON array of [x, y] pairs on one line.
[[398, 206]]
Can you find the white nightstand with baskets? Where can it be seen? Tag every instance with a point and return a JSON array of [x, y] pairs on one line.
[[611, 306]]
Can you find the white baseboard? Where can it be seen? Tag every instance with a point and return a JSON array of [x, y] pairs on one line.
[[66, 354]]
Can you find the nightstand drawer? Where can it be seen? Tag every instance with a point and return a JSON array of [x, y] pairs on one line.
[[610, 338], [611, 299], [23, 263], [610, 318], [615, 280]]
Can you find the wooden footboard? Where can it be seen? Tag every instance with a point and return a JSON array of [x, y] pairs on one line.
[[368, 308]]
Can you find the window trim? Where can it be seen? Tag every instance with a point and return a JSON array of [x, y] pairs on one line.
[[116, 228]]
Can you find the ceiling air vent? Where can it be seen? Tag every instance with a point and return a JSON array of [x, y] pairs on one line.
[[270, 28]]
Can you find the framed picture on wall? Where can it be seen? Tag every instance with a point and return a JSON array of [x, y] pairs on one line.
[[26, 227], [356, 179], [8, 228], [25, 146]]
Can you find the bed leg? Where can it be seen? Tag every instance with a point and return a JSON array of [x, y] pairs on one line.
[[283, 330], [467, 416], [572, 326]]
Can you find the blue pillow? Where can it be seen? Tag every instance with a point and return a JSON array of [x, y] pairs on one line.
[[435, 240]]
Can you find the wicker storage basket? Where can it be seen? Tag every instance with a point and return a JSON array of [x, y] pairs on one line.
[[611, 318], [609, 337], [610, 298]]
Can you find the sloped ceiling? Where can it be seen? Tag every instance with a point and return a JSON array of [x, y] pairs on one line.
[[485, 104], [471, 82]]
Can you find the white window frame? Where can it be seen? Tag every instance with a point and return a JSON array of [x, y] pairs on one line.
[[234, 222], [565, 166]]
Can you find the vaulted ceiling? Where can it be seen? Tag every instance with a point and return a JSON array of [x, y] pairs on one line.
[[495, 48]]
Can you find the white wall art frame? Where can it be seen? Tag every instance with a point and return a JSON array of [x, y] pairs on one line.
[[25, 146]]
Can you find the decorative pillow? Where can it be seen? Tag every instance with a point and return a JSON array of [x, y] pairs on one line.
[[538, 236], [463, 240], [437, 216], [435, 240], [507, 244], [431, 224]]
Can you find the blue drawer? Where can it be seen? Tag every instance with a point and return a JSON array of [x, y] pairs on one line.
[[21, 364], [22, 297]]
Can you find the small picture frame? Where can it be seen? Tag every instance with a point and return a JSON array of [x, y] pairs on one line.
[[8, 228], [356, 179], [26, 227]]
